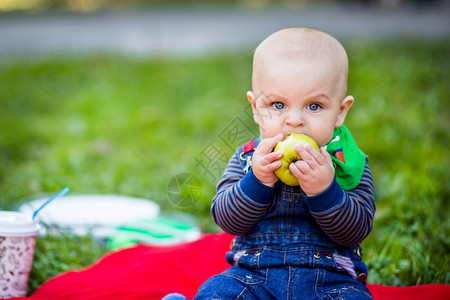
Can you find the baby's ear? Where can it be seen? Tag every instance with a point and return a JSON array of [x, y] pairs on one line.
[[343, 109], [252, 100]]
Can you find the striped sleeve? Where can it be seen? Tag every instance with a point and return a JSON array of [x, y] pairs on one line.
[[241, 199], [345, 216]]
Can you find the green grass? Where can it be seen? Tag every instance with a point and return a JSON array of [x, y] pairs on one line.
[[123, 125]]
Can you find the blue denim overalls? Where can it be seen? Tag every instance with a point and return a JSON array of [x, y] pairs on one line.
[[287, 256]]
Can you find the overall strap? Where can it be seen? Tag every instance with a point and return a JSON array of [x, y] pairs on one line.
[[247, 152]]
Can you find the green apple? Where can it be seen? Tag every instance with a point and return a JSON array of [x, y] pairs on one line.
[[289, 155]]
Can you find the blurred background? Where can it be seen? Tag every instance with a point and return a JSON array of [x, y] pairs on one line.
[[132, 97], [192, 27], [93, 5]]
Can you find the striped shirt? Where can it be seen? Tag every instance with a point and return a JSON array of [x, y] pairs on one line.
[[241, 201]]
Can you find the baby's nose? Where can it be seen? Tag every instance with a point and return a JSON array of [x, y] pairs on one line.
[[295, 119]]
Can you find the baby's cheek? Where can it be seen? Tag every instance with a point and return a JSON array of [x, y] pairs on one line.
[[323, 139]]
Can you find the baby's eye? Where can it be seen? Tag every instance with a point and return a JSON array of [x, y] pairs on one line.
[[314, 107], [278, 105]]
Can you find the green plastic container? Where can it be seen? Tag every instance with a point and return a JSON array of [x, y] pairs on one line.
[[162, 230]]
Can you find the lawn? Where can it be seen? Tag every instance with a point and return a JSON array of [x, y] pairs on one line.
[[124, 125]]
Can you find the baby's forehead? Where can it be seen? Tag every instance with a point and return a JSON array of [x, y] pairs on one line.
[[289, 51], [301, 43]]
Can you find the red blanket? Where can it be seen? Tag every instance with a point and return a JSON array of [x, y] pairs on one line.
[[148, 272]]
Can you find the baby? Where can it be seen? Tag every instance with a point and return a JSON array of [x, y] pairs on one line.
[[296, 242]]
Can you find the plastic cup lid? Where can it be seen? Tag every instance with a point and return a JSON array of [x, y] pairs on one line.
[[17, 224]]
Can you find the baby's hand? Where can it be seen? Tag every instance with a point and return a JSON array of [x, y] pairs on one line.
[[315, 171], [264, 161]]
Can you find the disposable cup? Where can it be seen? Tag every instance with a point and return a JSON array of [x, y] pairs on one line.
[[17, 240]]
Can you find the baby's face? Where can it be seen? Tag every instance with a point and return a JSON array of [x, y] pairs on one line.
[[307, 98]]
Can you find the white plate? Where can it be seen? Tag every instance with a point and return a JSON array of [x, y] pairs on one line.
[[95, 214]]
